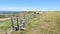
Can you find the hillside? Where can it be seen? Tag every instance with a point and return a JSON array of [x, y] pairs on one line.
[[40, 23]]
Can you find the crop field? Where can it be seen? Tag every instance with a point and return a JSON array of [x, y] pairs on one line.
[[38, 23]]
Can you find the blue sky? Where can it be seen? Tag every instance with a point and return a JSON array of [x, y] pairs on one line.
[[23, 5]]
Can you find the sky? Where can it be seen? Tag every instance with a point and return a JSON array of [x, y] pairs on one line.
[[29, 5]]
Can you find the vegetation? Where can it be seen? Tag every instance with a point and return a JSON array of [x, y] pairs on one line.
[[2, 16], [43, 23]]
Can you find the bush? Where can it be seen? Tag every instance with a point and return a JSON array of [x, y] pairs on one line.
[[2, 16]]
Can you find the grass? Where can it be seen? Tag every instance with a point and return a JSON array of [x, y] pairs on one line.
[[44, 23], [4, 26]]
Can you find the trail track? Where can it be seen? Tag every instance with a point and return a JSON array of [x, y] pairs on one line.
[[3, 19], [9, 32]]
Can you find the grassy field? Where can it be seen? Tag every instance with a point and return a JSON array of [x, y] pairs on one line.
[[42, 23]]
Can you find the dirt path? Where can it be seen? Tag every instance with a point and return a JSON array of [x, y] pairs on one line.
[[3, 19], [9, 32]]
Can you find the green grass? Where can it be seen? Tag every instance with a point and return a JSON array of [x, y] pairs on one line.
[[4, 26]]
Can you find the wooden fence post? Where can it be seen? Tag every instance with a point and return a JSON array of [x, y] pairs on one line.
[[17, 27], [18, 24], [23, 23], [12, 20], [17, 21]]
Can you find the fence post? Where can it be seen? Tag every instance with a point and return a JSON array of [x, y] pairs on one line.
[[17, 21], [12, 20], [17, 27], [23, 23]]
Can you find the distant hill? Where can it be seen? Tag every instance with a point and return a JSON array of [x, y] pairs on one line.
[[9, 12]]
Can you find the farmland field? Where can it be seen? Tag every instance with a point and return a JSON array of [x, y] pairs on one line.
[[42, 23]]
